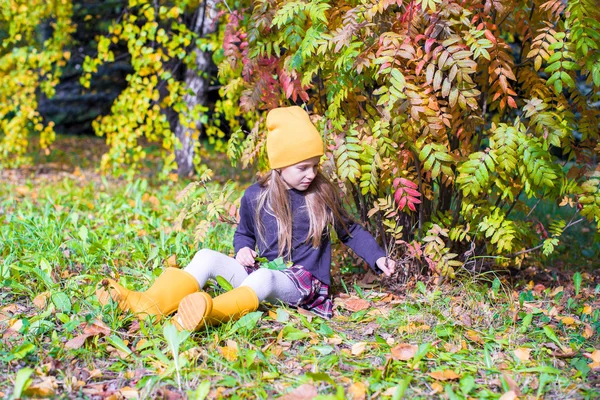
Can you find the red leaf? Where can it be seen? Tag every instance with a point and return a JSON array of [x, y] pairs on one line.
[[488, 34], [402, 203], [398, 195], [412, 192], [406, 182], [414, 200]]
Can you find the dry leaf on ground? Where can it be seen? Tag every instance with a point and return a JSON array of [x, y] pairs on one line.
[[510, 395], [522, 353], [445, 375], [358, 348], [357, 391], [302, 392], [356, 304], [404, 351]]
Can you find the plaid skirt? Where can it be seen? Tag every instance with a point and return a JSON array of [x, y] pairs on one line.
[[314, 293]]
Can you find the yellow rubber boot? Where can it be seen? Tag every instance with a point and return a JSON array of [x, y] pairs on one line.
[[161, 299], [199, 309]]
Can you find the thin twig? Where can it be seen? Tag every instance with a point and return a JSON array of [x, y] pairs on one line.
[[571, 223]]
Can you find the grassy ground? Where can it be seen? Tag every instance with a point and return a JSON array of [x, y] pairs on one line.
[[62, 229]]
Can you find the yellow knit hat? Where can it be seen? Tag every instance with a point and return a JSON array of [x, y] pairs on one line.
[[291, 137]]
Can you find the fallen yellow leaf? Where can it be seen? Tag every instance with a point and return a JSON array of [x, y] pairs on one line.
[[445, 375], [45, 388], [358, 348], [557, 291], [594, 356], [522, 353], [588, 332], [41, 300], [474, 336], [390, 391], [404, 351], [357, 391], [230, 352], [567, 320], [172, 261], [129, 392], [413, 328], [452, 347], [437, 387], [510, 395]]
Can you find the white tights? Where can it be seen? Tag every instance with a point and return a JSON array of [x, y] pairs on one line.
[[268, 284]]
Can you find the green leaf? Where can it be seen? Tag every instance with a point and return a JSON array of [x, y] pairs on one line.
[[552, 336], [174, 339], [118, 343], [21, 351], [61, 301], [292, 333], [467, 383], [22, 382], [577, 282], [323, 349], [247, 322], [201, 391], [224, 283], [83, 233], [401, 388]]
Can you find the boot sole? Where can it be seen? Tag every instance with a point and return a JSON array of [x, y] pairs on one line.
[[193, 309]]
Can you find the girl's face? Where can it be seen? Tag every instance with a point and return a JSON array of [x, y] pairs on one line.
[[299, 176]]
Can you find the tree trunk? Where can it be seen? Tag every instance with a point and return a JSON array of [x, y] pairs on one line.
[[197, 82]]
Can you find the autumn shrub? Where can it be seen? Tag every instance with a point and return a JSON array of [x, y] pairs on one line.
[[446, 123], [34, 37]]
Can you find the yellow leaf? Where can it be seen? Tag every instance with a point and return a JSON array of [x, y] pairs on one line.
[[358, 348], [357, 391], [129, 392], [587, 309], [230, 352], [172, 261], [390, 391], [41, 300], [445, 375], [45, 388], [404, 351], [567, 320], [588, 332], [594, 356], [557, 291], [437, 387], [22, 190], [522, 353], [510, 395], [452, 347], [474, 336]]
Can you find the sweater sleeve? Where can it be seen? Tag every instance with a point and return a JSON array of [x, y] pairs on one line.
[[361, 242], [244, 235]]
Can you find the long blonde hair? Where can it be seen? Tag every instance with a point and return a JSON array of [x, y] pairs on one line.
[[323, 205]]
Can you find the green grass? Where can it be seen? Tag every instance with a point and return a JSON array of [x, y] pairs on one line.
[[58, 238], [62, 232]]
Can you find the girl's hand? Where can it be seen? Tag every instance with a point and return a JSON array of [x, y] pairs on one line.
[[387, 265], [246, 256]]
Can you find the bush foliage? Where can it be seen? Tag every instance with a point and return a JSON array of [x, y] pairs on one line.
[[446, 123]]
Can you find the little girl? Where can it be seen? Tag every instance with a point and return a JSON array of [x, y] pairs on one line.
[[289, 214]]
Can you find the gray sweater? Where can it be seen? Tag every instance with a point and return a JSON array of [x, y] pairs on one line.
[[317, 261]]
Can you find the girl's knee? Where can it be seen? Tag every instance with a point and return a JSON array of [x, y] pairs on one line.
[[205, 255]]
